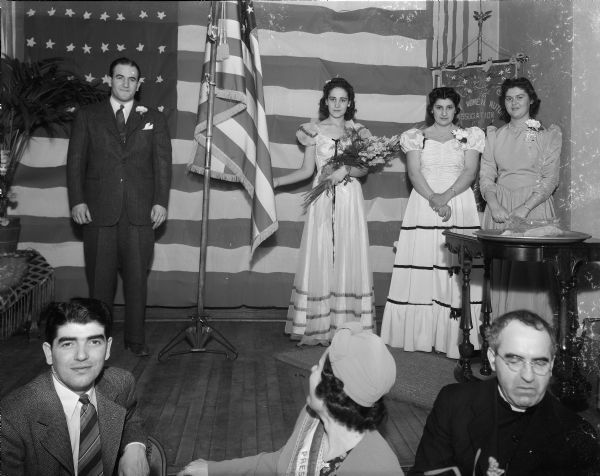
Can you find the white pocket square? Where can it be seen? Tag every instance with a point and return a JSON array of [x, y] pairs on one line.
[[148, 126]]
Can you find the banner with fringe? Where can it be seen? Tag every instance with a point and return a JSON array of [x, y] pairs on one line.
[[479, 87]]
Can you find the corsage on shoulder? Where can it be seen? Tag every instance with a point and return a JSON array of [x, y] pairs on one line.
[[461, 137], [533, 127]]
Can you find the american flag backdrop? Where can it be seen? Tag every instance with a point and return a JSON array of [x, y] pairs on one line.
[[384, 49]]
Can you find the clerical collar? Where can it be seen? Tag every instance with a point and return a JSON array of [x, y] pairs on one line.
[[511, 406]]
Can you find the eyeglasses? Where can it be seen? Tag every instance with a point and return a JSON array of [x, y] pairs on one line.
[[515, 363]]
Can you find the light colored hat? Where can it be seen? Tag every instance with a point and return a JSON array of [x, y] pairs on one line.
[[363, 363]]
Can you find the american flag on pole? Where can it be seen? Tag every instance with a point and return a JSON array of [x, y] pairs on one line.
[[240, 140]]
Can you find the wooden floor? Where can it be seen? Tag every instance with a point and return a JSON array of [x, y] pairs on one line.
[[203, 405]]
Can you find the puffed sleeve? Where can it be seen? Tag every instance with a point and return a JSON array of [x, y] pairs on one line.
[[307, 134], [488, 172], [550, 142], [412, 139], [362, 131], [475, 139]]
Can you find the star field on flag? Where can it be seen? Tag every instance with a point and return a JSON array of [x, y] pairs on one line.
[[90, 35]]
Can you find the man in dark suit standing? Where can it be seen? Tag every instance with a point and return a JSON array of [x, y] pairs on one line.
[[118, 176], [79, 417], [509, 424]]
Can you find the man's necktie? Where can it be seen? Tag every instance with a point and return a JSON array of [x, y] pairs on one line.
[[90, 447], [121, 123]]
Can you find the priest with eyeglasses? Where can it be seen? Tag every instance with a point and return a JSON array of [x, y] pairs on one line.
[[509, 425]]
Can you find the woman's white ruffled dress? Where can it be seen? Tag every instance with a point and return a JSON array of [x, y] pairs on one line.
[[333, 282], [423, 307]]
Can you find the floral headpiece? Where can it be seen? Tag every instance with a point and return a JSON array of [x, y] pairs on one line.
[[329, 80]]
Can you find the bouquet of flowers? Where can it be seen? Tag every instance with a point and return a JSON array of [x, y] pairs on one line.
[[371, 153]]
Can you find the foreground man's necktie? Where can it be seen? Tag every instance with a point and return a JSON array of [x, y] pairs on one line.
[[90, 447]]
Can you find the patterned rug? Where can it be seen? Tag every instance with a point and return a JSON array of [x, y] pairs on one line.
[[419, 375]]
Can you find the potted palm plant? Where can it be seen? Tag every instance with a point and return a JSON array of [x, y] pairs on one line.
[[33, 95]]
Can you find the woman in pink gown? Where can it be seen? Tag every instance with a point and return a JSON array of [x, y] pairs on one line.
[[519, 172]]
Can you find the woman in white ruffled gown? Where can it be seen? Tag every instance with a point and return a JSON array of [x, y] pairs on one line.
[[333, 282], [423, 308]]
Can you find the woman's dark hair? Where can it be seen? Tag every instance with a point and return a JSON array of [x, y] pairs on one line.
[[341, 407], [442, 93], [525, 85], [337, 83]]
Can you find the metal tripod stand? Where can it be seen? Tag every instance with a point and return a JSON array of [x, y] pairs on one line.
[[197, 336]]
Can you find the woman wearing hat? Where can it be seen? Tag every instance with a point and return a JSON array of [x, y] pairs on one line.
[[336, 433]]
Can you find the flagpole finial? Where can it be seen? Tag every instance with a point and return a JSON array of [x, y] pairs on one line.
[[211, 29]]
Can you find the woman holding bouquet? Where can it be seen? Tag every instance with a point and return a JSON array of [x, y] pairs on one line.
[[519, 173], [424, 302], [333, 282]]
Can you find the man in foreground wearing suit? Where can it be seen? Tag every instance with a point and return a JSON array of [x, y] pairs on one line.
[[509, 424], [51, 425], [118, 176]]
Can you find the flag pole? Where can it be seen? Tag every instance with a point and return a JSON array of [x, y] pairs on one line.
[[210, 79], [200, 332]]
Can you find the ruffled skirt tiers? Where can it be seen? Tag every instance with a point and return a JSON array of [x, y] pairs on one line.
[[333, 282], [423, 308]]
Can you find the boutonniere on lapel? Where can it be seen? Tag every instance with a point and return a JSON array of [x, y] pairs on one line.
[[141, 110], [533, 127], [460, 135]]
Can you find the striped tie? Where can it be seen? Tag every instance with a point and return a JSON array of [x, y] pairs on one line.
[[120, 115], [90, 447]]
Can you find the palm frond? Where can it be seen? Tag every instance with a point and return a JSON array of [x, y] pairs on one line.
[[41, 94]]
